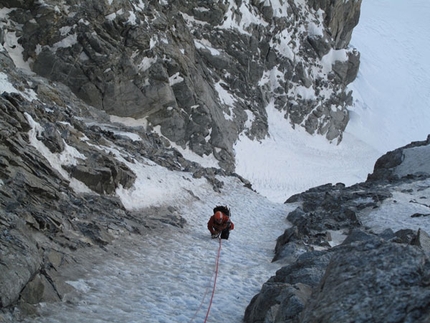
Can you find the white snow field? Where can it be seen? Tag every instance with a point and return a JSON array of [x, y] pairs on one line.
[[168, 275]]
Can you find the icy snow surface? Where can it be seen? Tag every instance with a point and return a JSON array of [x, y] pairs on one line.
[[167, 275]]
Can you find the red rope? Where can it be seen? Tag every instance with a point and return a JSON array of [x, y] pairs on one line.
[[216, 275], [203, 299]]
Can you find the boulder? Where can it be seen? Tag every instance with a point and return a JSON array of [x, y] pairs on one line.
[[372, 281]]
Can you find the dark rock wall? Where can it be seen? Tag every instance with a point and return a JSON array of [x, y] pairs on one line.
[[370, 277], [163, 62], [43, 216]]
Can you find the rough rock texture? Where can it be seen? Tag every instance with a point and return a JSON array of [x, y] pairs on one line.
[[44, 215], [341, 17], [370, 277], [389, 166], [284, 295], [174, 63], [196, 73], [366, 279], [373, 281]]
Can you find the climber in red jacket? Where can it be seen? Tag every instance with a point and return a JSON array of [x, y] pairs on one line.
[[220, 224]]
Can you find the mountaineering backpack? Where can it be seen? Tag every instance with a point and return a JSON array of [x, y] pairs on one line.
[[223, 209]]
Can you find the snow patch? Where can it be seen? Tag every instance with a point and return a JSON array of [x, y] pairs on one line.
[[67, 157]]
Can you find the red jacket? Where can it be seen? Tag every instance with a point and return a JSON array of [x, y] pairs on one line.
[[215, 228]]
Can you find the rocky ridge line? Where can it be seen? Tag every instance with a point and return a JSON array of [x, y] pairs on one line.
[[42, 218], [369, 277], [167, 62]]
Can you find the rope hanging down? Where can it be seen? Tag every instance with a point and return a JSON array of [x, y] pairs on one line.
[[207, 289], [216, 275], [203, 299]]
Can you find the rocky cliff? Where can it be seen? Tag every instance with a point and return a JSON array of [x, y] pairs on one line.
[[199, 71], [197, 74], [369, 276]]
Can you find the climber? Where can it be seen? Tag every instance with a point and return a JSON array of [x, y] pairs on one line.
[[219, 223]]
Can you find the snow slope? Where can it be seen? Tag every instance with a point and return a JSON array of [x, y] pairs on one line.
[[391, 108], [167, 276]]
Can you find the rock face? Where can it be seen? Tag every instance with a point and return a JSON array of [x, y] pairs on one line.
[[369, 277], [372, 281], [341, 17], [47, 211], [409, 160], [366, 279], [201, 71], [197, 73]]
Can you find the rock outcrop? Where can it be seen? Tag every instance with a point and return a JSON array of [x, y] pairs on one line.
[[58, 180], [196, 73], [410, 160], [201, 71], [369, 277], [365, 279]]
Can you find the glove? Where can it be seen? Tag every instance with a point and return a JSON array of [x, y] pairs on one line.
[[216, 235]]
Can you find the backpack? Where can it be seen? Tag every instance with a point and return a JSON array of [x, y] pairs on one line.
[[223, 209]]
